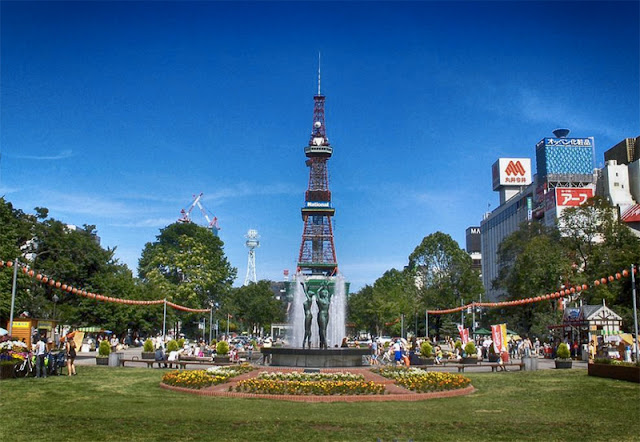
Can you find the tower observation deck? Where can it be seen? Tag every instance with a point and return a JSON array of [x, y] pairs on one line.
[[317, 251]]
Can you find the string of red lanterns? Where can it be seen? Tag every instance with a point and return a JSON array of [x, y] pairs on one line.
[[559, 294], [43, 279]]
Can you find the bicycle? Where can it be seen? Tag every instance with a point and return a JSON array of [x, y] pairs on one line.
[[25, 368]]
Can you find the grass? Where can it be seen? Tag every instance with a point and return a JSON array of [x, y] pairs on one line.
[[105, 404]]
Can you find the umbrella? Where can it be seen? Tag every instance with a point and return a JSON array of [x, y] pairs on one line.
[[3, 331]]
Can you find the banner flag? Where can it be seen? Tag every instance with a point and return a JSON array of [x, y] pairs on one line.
[[464, 334], [504, 337], [496, 335]]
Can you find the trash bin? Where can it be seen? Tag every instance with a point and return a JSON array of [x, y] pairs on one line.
[[114, 358], [530, 363]]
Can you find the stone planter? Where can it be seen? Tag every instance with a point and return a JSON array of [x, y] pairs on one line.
[[621, 372], [7, 371], [563, 363], [469, 361], [428, 361], [148, 355], [222, 359], [102, 361]]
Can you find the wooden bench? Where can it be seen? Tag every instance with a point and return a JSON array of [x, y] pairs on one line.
[[494, 366], [150, 362]]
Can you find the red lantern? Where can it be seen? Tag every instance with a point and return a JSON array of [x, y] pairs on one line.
[[31, 273], [618, 276], [1, 263], [69, 288], [573, 289], [9, 263], [24, 270], [39, 277], [58, 284], [625, 273], [610, 278], [537, 298], [585, 286], [596, 282], [52, 282]]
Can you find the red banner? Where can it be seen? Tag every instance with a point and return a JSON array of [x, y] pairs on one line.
[[496, 334], [464, 334]]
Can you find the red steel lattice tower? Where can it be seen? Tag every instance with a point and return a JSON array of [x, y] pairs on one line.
[[317, 251]]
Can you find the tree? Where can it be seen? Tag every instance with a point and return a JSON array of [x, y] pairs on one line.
[[533, 261], [187, 266], [256, 306], [442, 274]]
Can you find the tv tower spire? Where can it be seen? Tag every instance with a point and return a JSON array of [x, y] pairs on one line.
[[252, 244], [317, 251]]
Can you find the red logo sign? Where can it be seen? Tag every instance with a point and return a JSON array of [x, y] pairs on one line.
[[515, 169], [632, 214], [572, 196]]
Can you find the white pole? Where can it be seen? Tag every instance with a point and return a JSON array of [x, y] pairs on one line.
[[164, 323], [210, 323], [635, 310], [13, 295]]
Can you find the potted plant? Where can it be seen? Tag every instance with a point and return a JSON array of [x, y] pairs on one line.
[[222, 352], [426, 350], [147, 350], [471, 355], [104, 350], [563, 356]]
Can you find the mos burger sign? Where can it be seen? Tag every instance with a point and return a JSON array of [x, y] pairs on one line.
[[511, 172]]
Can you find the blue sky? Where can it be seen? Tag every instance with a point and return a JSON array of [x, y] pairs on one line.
[[116, 113]]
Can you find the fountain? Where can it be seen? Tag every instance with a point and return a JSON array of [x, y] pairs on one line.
[[308, 295]]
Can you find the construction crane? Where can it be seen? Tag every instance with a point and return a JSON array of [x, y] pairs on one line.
[[185, 215]]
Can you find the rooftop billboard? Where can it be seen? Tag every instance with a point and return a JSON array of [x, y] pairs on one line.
[[511, 172]]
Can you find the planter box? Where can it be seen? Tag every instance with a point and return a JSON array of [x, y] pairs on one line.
[[469, 361], [631, 374], [563, 363], [222, 359], [148, 355], [102, 361], [7, 371]]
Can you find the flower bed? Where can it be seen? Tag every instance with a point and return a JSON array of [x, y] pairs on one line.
[[422, 381], [311, 384], [297, 376], [198, 379], [13, 351]]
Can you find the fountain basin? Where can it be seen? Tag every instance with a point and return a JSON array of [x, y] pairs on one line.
[[315, 357]]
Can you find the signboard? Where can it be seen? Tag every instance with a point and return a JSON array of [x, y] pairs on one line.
[[572, 196], [632, 214], [318, 204], [588, 142], [21, 324], [511, 172]]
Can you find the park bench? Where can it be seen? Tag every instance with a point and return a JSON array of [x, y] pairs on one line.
[[494, 366], [150, 362]]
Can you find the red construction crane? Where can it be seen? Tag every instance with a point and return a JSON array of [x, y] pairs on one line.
[[185, 217]]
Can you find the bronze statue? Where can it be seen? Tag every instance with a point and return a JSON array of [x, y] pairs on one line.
[[323, 300]]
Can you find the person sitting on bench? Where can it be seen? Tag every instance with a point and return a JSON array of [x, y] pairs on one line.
[[160, 356]]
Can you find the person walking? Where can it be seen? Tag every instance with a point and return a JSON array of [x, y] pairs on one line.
[[70, 353], [41, 352]]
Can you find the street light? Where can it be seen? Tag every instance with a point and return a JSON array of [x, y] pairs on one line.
[[55, 300]]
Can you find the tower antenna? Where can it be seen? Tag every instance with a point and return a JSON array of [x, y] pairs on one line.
[[318, 72]]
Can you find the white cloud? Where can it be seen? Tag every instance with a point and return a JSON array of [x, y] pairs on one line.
[[60, 156], [145, 223]]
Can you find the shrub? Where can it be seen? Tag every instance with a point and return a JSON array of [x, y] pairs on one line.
[[173, 345], [426, 349], [148, 346], [180, 342], [470, 349], [104, 349], [222, 348], [458, 344], [563, 351]]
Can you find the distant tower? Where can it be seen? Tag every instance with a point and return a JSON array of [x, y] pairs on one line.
[[317, 251], [252, 244]]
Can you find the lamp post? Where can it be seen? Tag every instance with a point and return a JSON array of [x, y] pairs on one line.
[[55, 300]]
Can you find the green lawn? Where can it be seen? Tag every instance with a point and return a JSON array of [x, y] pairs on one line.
[[104, 403]]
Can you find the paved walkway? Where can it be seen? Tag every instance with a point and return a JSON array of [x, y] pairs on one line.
[[543, 364]]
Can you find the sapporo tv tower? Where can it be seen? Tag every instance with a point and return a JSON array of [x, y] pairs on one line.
[[317, 251]]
